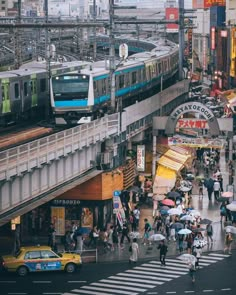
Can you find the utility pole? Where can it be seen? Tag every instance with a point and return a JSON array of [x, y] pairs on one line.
[[94, 31], [181, 38], [48, 61], [112, 66], [17, 40]]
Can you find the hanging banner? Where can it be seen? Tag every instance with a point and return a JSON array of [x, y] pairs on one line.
[[141, 158], [196, 142]]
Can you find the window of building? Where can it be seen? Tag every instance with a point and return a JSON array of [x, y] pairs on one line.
[[17, 93]]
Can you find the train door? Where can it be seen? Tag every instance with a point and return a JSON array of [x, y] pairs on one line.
[[6, 104], [34, 95]]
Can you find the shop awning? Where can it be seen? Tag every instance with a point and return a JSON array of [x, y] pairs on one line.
[[169, 163], [176, 156], [164, 181]]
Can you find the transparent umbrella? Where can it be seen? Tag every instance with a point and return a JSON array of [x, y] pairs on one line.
[[157, 237], [187, 258], [184, 231]]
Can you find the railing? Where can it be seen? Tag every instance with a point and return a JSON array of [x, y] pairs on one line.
[[25, 157]]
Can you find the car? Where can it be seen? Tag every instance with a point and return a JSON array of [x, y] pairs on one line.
[[40, 258]]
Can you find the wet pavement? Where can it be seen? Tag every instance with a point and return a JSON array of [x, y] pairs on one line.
[[208, 209]]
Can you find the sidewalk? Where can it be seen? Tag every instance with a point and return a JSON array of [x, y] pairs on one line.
[[208, 209]]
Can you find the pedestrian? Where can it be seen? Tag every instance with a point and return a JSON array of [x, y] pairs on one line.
[[181, 243], [110, 238], [147, 229], [125, 233], [228, 243], [163, 251], [115, 237], [197, 253], [17, 238], [209, 232], [200, 189], [136, 216], [192, 269], [78, 237], [51, 235], [93, 235], [189, 240], [216, 189], [223, 212], [134, 251], [68, 242], [132, 221]]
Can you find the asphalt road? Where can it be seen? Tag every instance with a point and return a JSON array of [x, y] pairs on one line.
[[217, 276]]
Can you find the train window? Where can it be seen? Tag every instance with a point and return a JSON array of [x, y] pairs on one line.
[[134, 77], [16, 89], [159, 68], [42, 85], [94, 85], [25, 88], [121, 81]]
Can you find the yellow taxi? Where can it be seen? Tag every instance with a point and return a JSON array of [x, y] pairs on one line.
[[40, 258]]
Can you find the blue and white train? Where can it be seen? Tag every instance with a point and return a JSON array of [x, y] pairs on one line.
[[86, 94]]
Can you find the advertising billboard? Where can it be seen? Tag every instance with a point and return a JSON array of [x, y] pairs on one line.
[[201, 4], [141, 158], [210, 3], [172, 14], [233, 53]]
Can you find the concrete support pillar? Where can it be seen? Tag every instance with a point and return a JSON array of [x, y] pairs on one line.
[[231, 149]]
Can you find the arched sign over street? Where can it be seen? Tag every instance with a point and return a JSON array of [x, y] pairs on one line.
[[195, 107]]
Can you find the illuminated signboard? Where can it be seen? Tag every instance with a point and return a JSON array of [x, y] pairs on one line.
[[233, 53], [213, 38], [192, 123], [141, 158], [210, 3], [172, 14]]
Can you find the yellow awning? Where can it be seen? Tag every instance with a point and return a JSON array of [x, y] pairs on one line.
[[177, 156], [164, 181], [171, 164]]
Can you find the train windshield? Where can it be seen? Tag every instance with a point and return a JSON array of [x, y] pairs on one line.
[[70, 86]]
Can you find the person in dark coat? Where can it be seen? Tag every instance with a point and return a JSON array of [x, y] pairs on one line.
[[125, 232], [163, 250]]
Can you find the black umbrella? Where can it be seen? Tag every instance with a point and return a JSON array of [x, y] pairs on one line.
[[177, 226], [173, 195], [198, 230], [205, 221]]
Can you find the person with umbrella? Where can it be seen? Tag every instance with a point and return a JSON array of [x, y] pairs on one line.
[[209, 232], [163, 251], [209, 183]]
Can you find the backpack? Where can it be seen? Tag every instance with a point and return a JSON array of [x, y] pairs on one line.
[[223, 211], [209, 229]]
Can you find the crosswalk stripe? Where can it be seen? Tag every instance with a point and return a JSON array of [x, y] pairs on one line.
[[169, 263], [110, 290], [144, 276], [218, 254], [126, 283], [152, 273], [135, 280], [181, 266], [207, 260], [161, 270], [167, 267], [119, 287], [213, 258]]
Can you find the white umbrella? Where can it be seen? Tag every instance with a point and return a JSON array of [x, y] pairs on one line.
[[174, 211], [194, 213], [187, 258], [157, 237], [184, 231], [230, 229], [231, 206], [187, 218], [199, 243], [185, 189]]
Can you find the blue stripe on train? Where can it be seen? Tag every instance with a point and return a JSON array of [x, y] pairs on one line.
[[71, 103]]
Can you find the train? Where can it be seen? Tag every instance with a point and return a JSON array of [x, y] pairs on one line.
[[80, 91], [24, 92], [86, 94]]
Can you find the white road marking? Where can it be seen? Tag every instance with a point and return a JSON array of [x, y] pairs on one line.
[[88, 292], [226, 289], [126, 283], [208, 257], [207, 260], [207, 291], [152, 273], [183, 271], [42, 282], [109, 290], [136, 280], [119, 287], [189, 291], [161, 270], [220, 255], [144, 277], [170, 263], [52, 293], [70, 282], [171, 292]]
